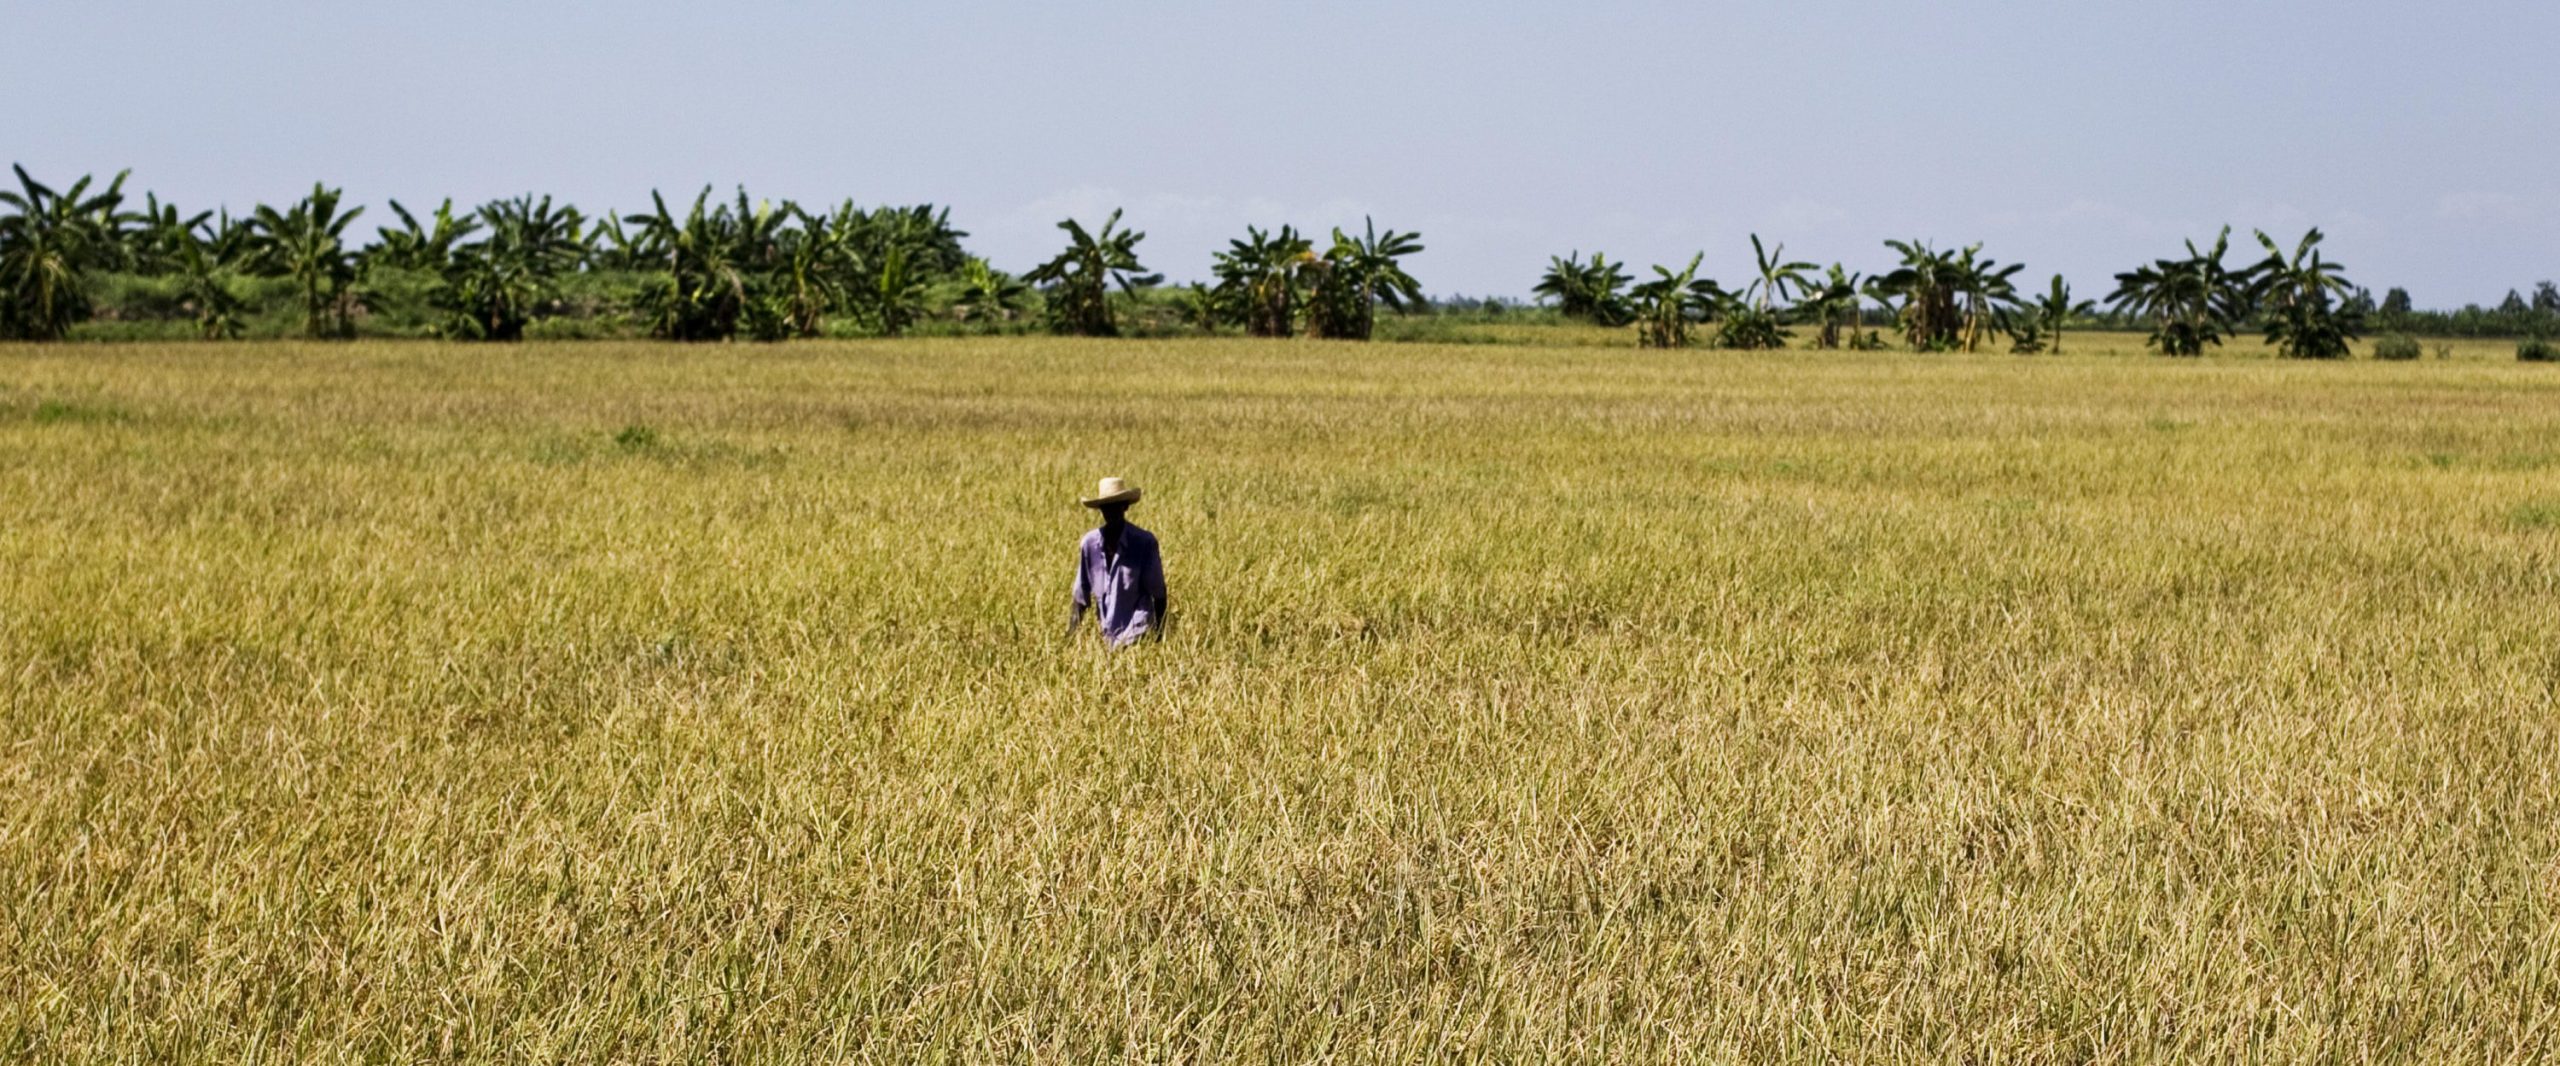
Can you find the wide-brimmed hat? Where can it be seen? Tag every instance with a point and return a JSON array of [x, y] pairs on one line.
[[1113, 490]]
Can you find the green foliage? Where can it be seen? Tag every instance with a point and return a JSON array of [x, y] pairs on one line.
[[1831, 303], [988, 295], [1757, 319], [1671, 305], [896, 296], [1591, 291], [1262, 278], [2300, 296], [1081, 276], [307, 243], [208, 291], [2039, 324], [411, 246], [2396, 347], [707, 257], [493, 286], [1357, 274], [2192, 303], [1946, 300], [47, 242], [1746, 326], [2537, 350], [1201, 307]]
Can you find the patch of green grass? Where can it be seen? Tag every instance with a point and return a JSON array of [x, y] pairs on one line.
[[55, 412], [2539, 514]]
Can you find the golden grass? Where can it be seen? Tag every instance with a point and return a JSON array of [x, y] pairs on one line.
[[621, 702]]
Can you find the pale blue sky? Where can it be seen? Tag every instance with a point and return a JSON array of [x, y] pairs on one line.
[[2079, 137]]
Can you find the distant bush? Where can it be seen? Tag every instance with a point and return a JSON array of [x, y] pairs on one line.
[[2537, 350], [2397, 347]]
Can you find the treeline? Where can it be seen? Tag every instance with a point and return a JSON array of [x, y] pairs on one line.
[[1960, 300], [2515, 316], [499, 272], [87, 256], [712, 270]]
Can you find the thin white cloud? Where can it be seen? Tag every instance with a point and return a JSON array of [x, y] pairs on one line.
[[2485, 206]]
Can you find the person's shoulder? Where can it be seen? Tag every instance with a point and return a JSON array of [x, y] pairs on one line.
[[1091, 538], [1141, 536]]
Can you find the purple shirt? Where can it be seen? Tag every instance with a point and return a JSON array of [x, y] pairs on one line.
[[1126, 590]]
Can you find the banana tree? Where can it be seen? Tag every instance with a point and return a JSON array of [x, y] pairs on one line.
[[493, 287], [1591, 291], [2041, 325], [897, 292], [988, 294], [1080, 278], [2192, 303], [410, 246], [47, 241], [206, 288], [1924, 289], [1260, 276], [1828, 303], [1985, 294], [1357, 274], [307, 243], [156, 242], [1201, 307], [812, 275], [2307, 317], [1668, 307], [712, 260]]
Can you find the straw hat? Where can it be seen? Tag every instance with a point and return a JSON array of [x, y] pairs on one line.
[[1113, 490]]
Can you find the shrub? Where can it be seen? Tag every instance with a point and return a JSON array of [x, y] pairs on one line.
[[2396, 347], [2537, 350]]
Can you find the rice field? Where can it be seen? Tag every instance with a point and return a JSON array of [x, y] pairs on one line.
[[1532, 702]]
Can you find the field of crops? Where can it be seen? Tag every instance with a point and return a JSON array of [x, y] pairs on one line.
[[638, 702]]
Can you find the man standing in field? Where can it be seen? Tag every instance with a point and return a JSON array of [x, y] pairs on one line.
[[1119, 572]]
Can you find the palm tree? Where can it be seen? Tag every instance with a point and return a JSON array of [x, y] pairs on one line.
[[46, 243], [1080, 278], [1590, 291], [1670, 304], [2192, 303], [1355, 275], [1260, 276], [2305, 317], [307, 242]]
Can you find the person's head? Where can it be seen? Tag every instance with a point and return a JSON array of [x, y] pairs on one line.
[[1111, 499]]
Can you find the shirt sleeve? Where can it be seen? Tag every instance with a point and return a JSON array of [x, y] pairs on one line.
[[1083, 593]]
